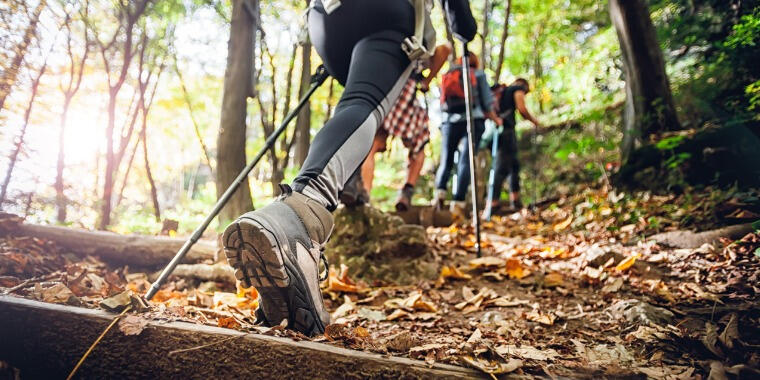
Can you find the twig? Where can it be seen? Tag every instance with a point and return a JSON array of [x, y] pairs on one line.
[[205, 345], [31, 281], [95, 343]]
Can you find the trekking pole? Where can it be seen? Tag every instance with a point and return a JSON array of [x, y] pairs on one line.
[[492, 177], [317, 79], [536, 167], [471, 142]]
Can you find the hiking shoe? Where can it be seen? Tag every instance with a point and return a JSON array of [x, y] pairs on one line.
[[516, 205], [354, 194], [277, 250], [404, 201]]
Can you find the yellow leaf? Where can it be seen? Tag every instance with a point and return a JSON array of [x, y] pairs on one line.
[[451, 272], [627, 263], [563, 224]]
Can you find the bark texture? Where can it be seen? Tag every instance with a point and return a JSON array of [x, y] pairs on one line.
[[238, 86], [303, 122], [135, 250], [649, 102], [45, 341]]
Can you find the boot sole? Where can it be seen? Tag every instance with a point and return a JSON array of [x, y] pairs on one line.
[[261, 257]]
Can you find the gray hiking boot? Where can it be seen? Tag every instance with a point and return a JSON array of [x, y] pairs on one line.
[[278, 249]]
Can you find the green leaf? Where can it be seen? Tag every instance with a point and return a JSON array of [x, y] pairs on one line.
[[756, 225]]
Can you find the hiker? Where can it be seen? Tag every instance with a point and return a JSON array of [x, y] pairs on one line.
[[366, 46], [505, 163], [407, 120], [454, 130]]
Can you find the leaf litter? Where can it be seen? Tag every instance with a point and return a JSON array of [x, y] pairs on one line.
[[572, 288]]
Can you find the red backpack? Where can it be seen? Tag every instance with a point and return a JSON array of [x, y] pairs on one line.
[[452, 90]]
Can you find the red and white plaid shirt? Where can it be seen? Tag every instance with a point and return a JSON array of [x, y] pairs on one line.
[[408, 120]]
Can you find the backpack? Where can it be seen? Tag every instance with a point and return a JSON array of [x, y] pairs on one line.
[[503, 99], [452, 90]]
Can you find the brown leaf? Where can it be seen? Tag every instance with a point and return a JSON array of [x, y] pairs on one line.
[[553, 280], [515, 269], [542, 318], [132, 324], [450, 272], [227, 322], [731, 333]]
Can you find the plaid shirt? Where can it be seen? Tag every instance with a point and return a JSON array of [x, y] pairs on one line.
[[408, 120]]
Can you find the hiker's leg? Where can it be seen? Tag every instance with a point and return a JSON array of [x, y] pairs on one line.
[[502, 164], [463, 168], [514, 164], [451, 134], [378, 71], [414, 167]]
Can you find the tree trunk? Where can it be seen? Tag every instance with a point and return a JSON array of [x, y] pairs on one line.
[[503, 45], [196, 126], [126, 173], [484, 53], [20, 143], [60, 199], [649, 102], [105, 207], [10, 73], [303, 122], [133, 250], [237, 88], [153, 191]]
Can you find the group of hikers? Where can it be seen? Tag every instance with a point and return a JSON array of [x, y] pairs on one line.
[[278, 248], [409, 122]]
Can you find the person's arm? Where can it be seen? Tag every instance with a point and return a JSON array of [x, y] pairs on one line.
[[486, 97], [440, 55], [463, 24], [520, 104]]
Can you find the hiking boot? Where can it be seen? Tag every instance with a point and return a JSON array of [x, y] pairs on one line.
[[277, 250], [515, 204], [404, 201], [354, 194]]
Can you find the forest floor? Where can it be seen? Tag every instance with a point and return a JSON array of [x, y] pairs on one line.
[[573, 289]]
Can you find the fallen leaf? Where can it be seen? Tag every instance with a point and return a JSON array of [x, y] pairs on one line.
[[227, 322], [116, 303], [527, 352], [711, 338], [450, 272], [402, 342], [341, 282], [486, 262], [344, 309], [627, 263], [132, 324], [493, 367], [554, 279], [58, 293], [563, 224], [515, 269], [397, 314], [731, 333], [542, 318], [613, 286], [373, 315]]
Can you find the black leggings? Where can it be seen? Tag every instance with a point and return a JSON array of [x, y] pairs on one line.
[[505, 164], [360, 45]]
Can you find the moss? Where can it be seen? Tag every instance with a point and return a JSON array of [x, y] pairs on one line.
[[379, 247]]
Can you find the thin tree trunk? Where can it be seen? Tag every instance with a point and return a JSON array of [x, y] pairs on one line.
[[153, 191], [237, 88], [303, 122], [60, 199], [196, 127], [20, 143], [10, 73], [503, 43], [649, 102], [485, 54], [126, 173]]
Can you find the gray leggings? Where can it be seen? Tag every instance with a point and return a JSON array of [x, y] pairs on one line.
[[360, 45]]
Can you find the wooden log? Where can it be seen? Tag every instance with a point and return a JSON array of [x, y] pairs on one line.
[[691, 239], [46, 340], [144, 251]]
